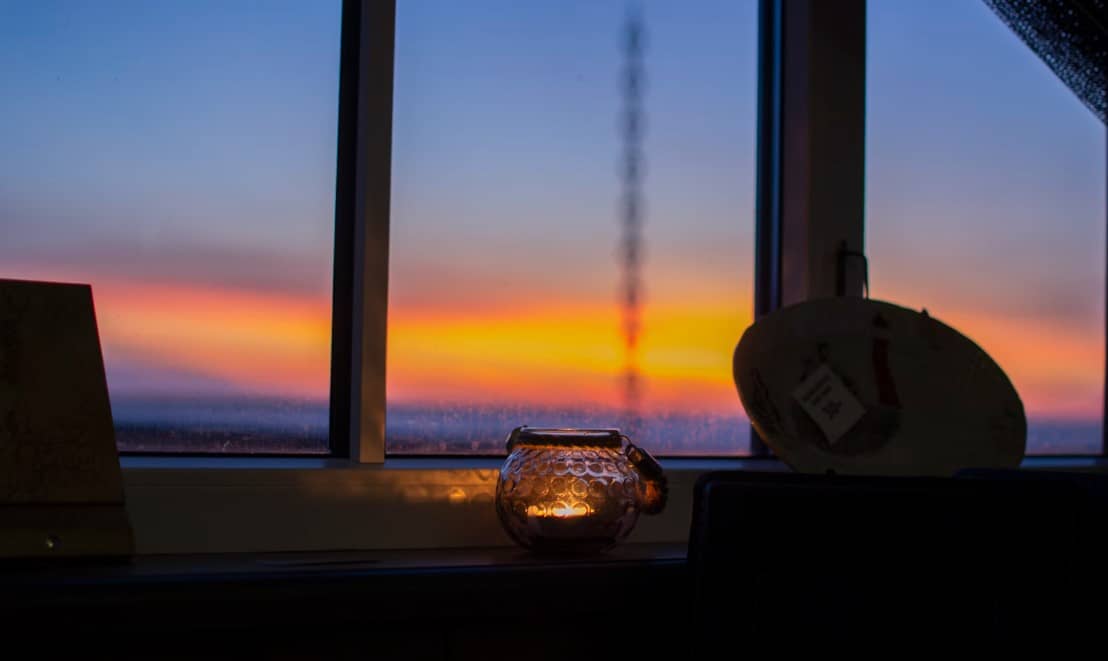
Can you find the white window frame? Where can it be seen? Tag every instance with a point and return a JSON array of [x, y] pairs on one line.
[[810, 192], [811, 183]]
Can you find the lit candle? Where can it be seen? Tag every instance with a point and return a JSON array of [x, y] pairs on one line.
[[573, 489], [558, 510]]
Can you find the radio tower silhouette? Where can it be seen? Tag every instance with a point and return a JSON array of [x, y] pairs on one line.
[[631, 217]]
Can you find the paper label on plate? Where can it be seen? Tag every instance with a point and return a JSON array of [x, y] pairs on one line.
[[828, 401]]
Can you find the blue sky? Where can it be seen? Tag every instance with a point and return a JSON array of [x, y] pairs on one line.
[[506, 123], [986, 197], [982, 162], [166, 138]]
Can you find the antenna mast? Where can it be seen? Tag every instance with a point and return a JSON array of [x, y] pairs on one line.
[[631, 216]]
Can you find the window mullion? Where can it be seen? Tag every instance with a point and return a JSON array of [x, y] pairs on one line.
[[822, 147], [811, 153], [371, 236]]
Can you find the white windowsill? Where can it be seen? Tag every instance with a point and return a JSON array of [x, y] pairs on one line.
[[243, 504]]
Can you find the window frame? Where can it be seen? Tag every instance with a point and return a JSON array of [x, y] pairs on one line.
[[809, 201], [809, 188], [363, 188]]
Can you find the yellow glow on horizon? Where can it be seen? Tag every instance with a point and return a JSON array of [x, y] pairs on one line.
[[566, 355]]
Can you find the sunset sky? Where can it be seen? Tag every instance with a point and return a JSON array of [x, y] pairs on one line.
[[180, 157]]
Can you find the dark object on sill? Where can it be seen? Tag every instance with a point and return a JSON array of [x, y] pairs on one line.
[[878, 559], [61, 488]]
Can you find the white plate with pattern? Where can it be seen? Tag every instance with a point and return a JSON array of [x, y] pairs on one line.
[[858, 386]]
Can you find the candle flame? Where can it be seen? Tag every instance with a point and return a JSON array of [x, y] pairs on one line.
[[559, 510]]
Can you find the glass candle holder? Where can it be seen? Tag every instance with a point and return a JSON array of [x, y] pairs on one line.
[[575, 490]]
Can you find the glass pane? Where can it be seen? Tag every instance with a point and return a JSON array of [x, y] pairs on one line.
[[180, 157], [506, 282], [986, 204]]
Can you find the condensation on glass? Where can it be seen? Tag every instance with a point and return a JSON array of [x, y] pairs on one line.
[[535, 144], [180, 158], [985, 201]]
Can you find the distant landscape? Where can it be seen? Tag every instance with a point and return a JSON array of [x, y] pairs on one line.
[[249, 426]]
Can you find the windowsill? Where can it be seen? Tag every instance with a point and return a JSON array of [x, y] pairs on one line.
[[255, 505], [135, 463], [242, 504]]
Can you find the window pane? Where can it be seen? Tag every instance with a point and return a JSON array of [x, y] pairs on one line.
[[180, 157], [986, 204], [505, 285]]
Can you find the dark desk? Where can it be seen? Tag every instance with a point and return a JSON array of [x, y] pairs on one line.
[[464, 603]]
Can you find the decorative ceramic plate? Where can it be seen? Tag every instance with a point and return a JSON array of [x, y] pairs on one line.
[[858, 386]]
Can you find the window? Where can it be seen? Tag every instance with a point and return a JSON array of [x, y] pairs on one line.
[[508, 185], [180, 157], [986, 205]]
